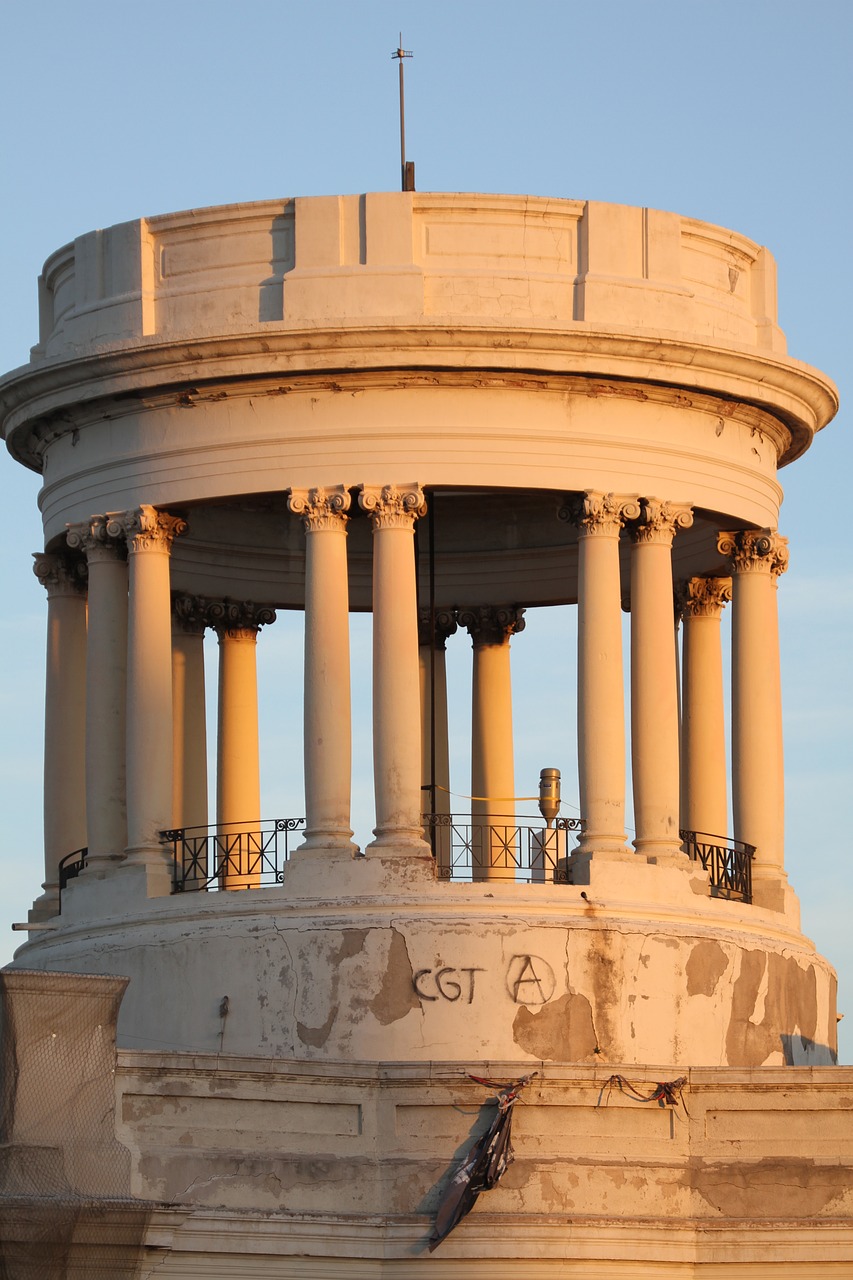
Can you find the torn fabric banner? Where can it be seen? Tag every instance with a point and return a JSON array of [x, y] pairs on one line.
[[484, 1165]]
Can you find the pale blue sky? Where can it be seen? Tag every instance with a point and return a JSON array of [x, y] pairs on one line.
[[735, 113]]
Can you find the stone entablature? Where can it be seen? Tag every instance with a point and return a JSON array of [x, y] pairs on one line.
[[355, 285]]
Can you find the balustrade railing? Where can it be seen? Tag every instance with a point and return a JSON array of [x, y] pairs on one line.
[[233, 855], [728, 862], [70, 867], [518, 849]]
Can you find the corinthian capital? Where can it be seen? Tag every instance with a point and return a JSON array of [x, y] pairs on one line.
[[190, 614], [444, 626], [390, 507], [239, 619], [660, 521], [60, 575], [321, 509], [703, 597], [93, 538], [600, 513], [146, 529], [754, 551], [488, 625]]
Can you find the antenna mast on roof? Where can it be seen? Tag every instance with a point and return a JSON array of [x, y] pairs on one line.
[[407, 167]]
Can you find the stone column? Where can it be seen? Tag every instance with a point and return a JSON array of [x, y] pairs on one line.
[[703, 731], [396, 697], [327, 731], [756, 560], [238, 770], [189, 716], [433, 634], [64, 579], [601, 697], [654, 690], [492, 763], [149, 534], [106, 673]]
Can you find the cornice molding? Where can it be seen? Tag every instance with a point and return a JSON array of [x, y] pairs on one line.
[[798, 398]]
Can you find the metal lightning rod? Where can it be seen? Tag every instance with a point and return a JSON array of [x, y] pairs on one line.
[[407, 172]]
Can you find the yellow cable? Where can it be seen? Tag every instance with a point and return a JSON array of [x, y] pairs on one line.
[[488, 799]]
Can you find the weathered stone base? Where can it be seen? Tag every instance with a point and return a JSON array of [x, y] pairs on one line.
[[373, 959], [258, 1166]]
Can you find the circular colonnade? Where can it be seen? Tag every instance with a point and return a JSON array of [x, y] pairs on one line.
[[264, 407]]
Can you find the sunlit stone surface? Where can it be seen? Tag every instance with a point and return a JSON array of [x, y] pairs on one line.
[[255, 408]]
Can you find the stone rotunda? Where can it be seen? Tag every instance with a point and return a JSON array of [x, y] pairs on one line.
[[248, 1044]]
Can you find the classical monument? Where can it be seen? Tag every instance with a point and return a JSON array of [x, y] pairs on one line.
[[238, 1047]]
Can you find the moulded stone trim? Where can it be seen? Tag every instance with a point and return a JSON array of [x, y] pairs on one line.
[[801, 399]]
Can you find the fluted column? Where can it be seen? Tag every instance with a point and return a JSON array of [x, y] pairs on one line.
[[64, 579], [189, 716], [238, 769], [396, 697], [433, 634], [149, 534], [703, 733], [654, 691], [756, 560], [492, 761], [327, 723], [106, 674], [601, 697]]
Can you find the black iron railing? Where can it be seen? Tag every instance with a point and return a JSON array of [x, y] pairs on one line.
[[70, 867], [728, 862], [234, 855], [522, 850]]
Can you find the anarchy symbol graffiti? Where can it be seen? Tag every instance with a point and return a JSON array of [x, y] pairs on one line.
[[530, 980]]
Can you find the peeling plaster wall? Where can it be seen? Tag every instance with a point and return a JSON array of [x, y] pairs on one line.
[[529, 981]]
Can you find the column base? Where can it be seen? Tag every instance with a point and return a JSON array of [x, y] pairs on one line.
[[407, 841], [661, 852], [46, 905], [333, 843], [151, 864], [580, 860], [602, 846], [335, 875], [772, 891]]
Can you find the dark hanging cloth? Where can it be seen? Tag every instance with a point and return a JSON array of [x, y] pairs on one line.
[[484, 1165]]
